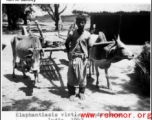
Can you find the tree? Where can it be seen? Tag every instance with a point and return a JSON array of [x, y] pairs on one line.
[[16, 11], [53, 11]]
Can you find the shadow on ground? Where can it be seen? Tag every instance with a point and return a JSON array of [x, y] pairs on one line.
[[131, 87], [11, 32], [30, 84], [143, 102], [101, 88], [33, 104], [116, 108], [51, 71]]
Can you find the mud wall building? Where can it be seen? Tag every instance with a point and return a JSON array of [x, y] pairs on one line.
[[130, 21]]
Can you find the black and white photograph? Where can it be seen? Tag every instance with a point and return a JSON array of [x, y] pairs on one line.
[[75, 56]]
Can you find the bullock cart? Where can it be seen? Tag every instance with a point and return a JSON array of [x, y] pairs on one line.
[[50, 43]]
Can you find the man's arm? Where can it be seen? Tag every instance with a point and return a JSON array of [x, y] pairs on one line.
[[68, 40], [88, 45]]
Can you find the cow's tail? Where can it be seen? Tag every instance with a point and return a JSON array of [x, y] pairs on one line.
[[13, 44]]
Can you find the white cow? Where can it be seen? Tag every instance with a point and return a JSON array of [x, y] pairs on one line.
[[28, 49]]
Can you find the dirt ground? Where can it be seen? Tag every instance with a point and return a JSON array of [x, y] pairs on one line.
[[52, 95]]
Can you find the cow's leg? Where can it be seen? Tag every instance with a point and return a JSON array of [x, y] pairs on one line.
[[13, 44], [36, 75], [92, 67], [14, 65], [107, 77], [23, 69], [89, 70], [97, 74]]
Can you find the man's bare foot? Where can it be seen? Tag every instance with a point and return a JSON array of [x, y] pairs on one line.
[[81, 95], [72, 98]]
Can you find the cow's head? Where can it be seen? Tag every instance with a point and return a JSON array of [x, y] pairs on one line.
[[119, 51], [33, 59]]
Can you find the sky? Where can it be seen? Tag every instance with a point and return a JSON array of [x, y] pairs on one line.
[[70, 4], [68, 11]]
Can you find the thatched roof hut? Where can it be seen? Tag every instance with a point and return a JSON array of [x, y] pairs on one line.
[[111, 8], [131, 21]]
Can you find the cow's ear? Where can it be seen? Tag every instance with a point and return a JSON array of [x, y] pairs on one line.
[[115, 41], [28, 56], [30, 50]]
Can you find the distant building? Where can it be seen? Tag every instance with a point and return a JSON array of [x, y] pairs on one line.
[[71, 18], [131, 21]]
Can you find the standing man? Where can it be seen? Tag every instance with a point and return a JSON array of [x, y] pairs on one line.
[[78, 59]]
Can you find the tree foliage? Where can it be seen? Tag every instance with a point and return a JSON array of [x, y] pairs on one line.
[[16, 11], [53, 11]]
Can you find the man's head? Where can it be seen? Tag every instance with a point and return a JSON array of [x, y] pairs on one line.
[[81, 21]]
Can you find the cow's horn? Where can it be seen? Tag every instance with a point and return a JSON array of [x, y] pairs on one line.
[[118, 38], [115, 38]]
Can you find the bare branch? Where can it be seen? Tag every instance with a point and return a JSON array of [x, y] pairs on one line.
[[51, 10], [63, 10], [43, 8], [51, 15]]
